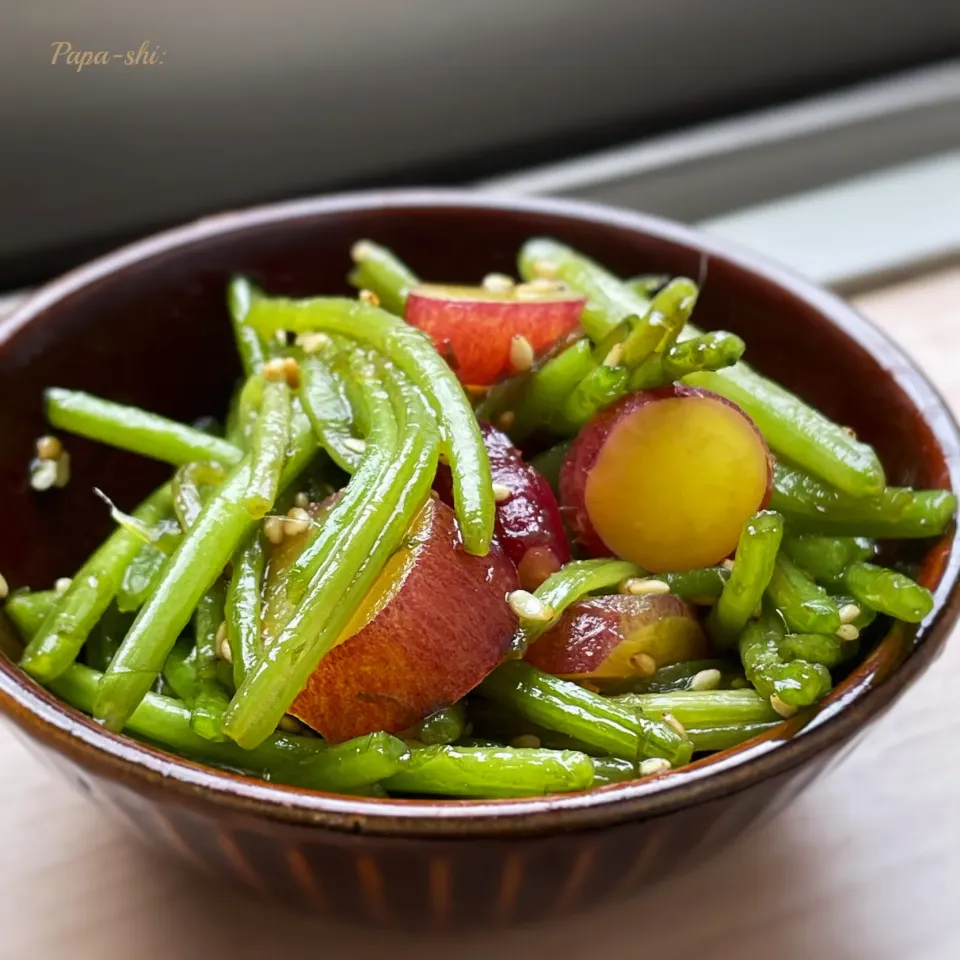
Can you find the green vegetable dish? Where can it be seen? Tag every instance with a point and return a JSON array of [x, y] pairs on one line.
[[513, 539]]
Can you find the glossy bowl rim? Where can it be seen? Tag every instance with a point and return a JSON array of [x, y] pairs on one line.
[[857, 699]]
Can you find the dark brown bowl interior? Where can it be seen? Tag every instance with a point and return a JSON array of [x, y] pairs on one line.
[[148, 326]]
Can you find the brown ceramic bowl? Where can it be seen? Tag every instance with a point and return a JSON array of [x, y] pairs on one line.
[[147, 325]]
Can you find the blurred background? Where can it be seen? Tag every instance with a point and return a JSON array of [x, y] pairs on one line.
[[699, 110]]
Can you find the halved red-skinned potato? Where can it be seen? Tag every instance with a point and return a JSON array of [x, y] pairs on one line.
[[665, 478], [474, 328], [616, 637], [528, 524], [433, 625]]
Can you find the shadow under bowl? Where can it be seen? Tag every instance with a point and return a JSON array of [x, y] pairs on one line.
[[147, 325]]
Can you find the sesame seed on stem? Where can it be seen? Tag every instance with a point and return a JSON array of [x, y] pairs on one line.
[[653, 766], [849, 612], [706, 679], [273, 529], [498, 283], [847, 632], [645, 665], [672, 721], [614, 356], [529, 607], [297, 522], [521, 353], [312, 342], [639, 586], [785, 710]]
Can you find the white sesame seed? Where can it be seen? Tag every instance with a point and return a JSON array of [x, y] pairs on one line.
[[653, 766], [368, 296], [354, 444], [784, 709], [224, 651], [289, 724], [62, 585], [62, 477], [4, 587], [671, 721], [728, 564], [849, 612], [529, 607], [544, 268], [43, 474], [638, 586], [297, 522], [614, 356], [505, 420], [361, 250], [645, 665], [49, 448], [706, 679], [521, 353], [501, 492], [281, 337], [498, 283], [273, 529], [848, 632], [526, 740], [312, 342]]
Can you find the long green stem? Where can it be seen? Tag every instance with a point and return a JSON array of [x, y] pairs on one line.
[[243, 606], [131, 428], [752, 570], [305, 762], [492, 772], [415, 355], [570, 709], [206, 715], [809, 504], [268, 448]]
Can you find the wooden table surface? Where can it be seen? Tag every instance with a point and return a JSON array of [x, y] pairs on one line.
[[864, 865]]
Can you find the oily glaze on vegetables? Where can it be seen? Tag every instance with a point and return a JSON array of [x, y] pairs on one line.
[[365, 583]]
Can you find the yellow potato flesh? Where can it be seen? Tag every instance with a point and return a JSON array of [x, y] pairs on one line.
[[675, 482]]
